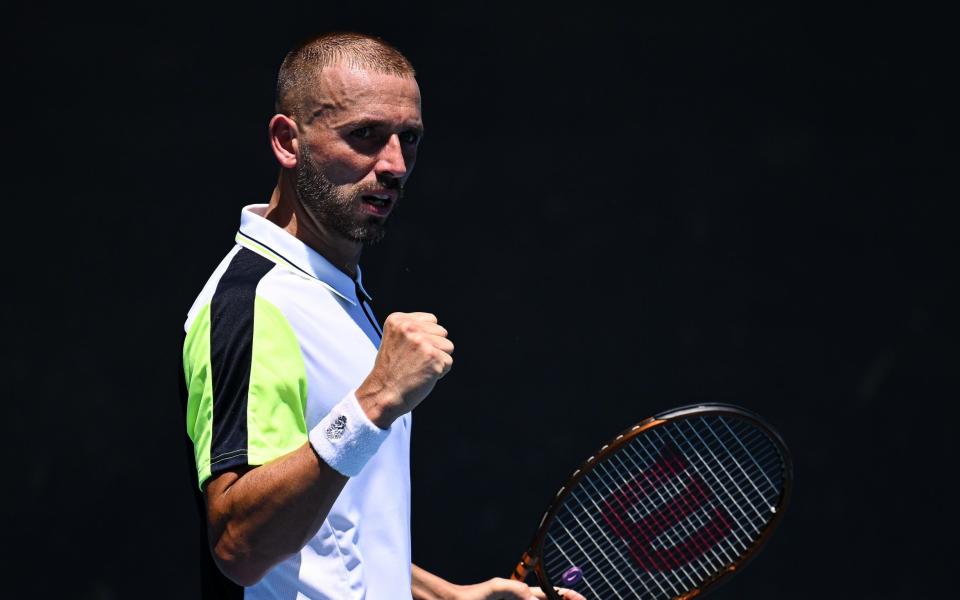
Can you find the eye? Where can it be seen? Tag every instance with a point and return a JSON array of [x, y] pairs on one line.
[[362, 132], [409, 137]]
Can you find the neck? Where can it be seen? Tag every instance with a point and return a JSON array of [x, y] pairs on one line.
[[286, 212]]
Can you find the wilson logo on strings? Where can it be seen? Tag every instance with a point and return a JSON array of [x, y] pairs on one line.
[[671, 509]]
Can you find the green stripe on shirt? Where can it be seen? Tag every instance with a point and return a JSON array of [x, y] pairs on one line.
[[277, 401], [277, 394]]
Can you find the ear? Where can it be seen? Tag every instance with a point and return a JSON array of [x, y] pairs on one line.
[[283, 140]]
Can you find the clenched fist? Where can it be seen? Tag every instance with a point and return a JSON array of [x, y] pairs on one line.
[[414, 354]]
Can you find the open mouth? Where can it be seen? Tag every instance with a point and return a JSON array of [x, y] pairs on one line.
[[378, 203], [377, 199]]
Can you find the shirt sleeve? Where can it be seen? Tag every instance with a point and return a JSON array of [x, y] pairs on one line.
[[246, 383]]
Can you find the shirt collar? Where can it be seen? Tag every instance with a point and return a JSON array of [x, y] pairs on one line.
[[270, 241]]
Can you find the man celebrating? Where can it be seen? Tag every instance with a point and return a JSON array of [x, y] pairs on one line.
[[297, 403]]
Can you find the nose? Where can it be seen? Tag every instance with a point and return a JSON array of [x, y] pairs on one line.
[[391, 161]]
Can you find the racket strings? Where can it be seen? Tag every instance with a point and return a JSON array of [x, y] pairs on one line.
[[733, 477], [691, 579], [678, 492], [661, 526], [739, 475], [722, 512], [775, 488], [630, 578], [723, 472], [649, 509], [684, 528], [608, 544], [706, 567], [703, 496]]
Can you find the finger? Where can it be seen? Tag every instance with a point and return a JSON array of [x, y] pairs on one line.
[[445, 364], [423, 316], [431, 328], [440, 343]]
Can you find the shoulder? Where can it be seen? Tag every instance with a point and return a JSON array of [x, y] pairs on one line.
[[201, 303], [244, 272], [232, 288]]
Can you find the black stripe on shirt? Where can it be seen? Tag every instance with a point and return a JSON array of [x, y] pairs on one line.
[[231, 354]]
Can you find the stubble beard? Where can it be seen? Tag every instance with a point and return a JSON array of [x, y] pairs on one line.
[[333, 206]]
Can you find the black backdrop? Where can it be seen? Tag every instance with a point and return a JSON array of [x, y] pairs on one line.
[[614, 212]]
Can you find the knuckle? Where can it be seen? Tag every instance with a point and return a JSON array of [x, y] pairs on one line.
[[394, 323]]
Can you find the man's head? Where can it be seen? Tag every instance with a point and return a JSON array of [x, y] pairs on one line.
[[348, 127]]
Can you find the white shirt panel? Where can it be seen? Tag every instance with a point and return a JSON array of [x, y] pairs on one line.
[[362, 551]]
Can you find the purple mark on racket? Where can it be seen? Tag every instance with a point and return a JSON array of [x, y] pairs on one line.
[[572, 576]]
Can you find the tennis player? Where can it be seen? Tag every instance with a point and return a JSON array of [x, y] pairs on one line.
[[297, 402]]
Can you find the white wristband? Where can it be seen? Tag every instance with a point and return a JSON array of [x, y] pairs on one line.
[[346, 438]]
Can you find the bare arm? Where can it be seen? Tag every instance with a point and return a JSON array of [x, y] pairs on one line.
[[260, 516], [427, 586]]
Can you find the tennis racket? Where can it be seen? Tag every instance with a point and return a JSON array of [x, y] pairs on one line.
[[667, 510]]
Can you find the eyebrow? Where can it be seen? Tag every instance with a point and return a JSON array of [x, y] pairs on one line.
[[368, 121]]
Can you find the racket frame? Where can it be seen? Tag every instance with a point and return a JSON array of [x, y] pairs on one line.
[[532, 558]]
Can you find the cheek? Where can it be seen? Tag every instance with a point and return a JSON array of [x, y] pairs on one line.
[[347, 169], [410, 159]]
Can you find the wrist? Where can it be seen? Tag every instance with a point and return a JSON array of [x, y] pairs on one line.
[[378, 402], [427, 586], [346, 438]]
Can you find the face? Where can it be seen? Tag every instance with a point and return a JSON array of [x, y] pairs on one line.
[[359, 133]]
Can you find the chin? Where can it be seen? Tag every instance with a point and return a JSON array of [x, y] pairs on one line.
[[374, 237], [370, 233]]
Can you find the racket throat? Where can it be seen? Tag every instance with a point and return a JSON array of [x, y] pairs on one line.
[[527, 562]]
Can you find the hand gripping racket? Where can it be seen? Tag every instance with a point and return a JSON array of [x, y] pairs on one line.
[[666, 510]]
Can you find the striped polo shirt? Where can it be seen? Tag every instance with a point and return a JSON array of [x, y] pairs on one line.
[[276, 338]]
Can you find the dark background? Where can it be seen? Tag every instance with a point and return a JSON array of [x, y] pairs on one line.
[[614, 212]]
